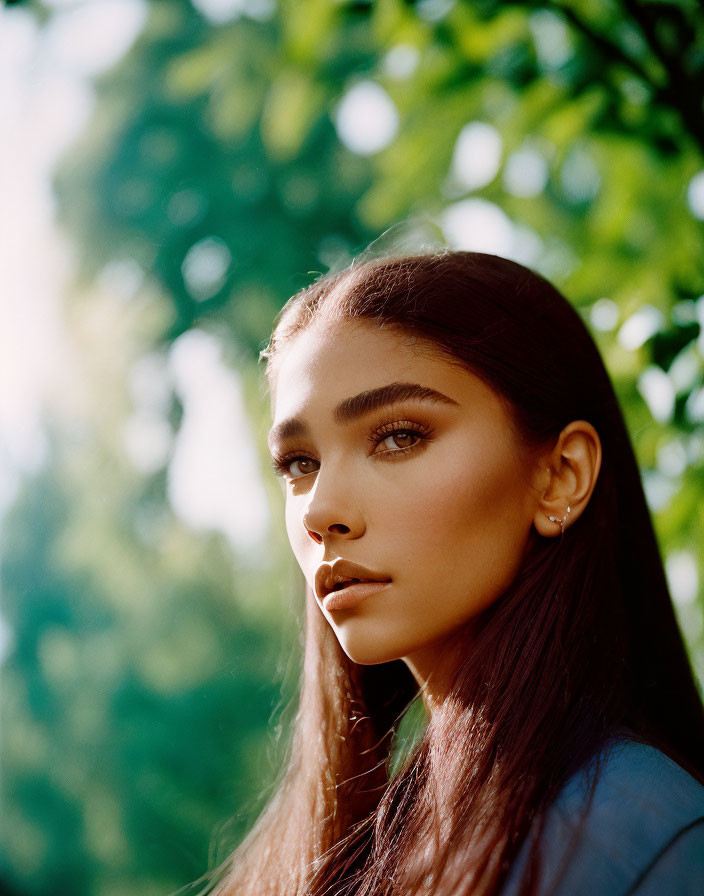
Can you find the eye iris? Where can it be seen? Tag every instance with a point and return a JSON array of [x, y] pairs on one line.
[[403, 439]]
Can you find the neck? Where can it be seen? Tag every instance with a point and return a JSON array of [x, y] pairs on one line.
[[433, 667]]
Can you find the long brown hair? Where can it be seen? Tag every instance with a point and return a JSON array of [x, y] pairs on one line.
[[582, 645]]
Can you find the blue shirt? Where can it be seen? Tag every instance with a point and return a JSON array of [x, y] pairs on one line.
[[643, 834]]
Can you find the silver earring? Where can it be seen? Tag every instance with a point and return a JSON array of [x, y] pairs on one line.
[[554, 519]]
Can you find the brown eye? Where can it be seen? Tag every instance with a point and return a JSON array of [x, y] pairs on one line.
[[401, 438], [301, 466]]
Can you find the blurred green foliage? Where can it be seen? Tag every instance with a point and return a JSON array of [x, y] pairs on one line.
[[146, 659]]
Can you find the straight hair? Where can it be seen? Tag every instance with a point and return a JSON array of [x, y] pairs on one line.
[[582, 646]]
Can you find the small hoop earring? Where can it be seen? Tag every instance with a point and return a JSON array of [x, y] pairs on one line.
[[554, 519]]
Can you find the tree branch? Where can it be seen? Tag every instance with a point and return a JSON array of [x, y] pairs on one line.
[[607, 47], [680, 92], [684, 91]]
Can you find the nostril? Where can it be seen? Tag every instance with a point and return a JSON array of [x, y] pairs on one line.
[[340, 528], [318, 539]]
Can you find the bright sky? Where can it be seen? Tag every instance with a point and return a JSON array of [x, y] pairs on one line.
[[46, 98]]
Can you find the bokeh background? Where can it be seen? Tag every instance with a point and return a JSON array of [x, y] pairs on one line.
[[170, 172]]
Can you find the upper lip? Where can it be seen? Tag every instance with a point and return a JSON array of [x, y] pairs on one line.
[[330, 574]]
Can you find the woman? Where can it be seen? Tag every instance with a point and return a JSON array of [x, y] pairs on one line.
[[464, 503]]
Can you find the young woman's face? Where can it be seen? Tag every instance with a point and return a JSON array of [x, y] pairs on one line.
[[403, 471]]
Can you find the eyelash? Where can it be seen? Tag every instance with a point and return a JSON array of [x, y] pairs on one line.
[[376, 437]]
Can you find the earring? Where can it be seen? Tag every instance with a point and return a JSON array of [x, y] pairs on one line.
[[554, 519]]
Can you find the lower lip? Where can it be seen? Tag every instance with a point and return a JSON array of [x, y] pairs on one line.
[[349, 597]]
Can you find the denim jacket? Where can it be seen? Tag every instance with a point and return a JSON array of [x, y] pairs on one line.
[[643, 834]]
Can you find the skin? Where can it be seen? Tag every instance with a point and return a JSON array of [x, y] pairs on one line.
[[440, 496]]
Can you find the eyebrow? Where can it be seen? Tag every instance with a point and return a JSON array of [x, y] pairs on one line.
[[357, 406]]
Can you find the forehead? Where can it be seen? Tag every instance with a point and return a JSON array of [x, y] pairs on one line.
[[331, 361]]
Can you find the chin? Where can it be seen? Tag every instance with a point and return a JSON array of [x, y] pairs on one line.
[[367, 653]]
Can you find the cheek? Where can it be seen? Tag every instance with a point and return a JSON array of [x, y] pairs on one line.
[[463, 526], [454, 496]]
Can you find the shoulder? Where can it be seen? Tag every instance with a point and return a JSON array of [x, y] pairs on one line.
[[645, 813], [636, 785], [642, 826]]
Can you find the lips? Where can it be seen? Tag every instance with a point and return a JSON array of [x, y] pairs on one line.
[[338, 575]]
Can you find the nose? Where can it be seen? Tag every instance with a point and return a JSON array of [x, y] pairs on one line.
[[332, 511], [339, 528]]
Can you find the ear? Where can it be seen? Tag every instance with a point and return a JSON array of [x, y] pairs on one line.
[[569, 474]]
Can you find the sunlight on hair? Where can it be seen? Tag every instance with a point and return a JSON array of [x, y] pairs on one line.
[[213, 478], [366, 118], [695, 195], [477, 155], [334, 252]]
